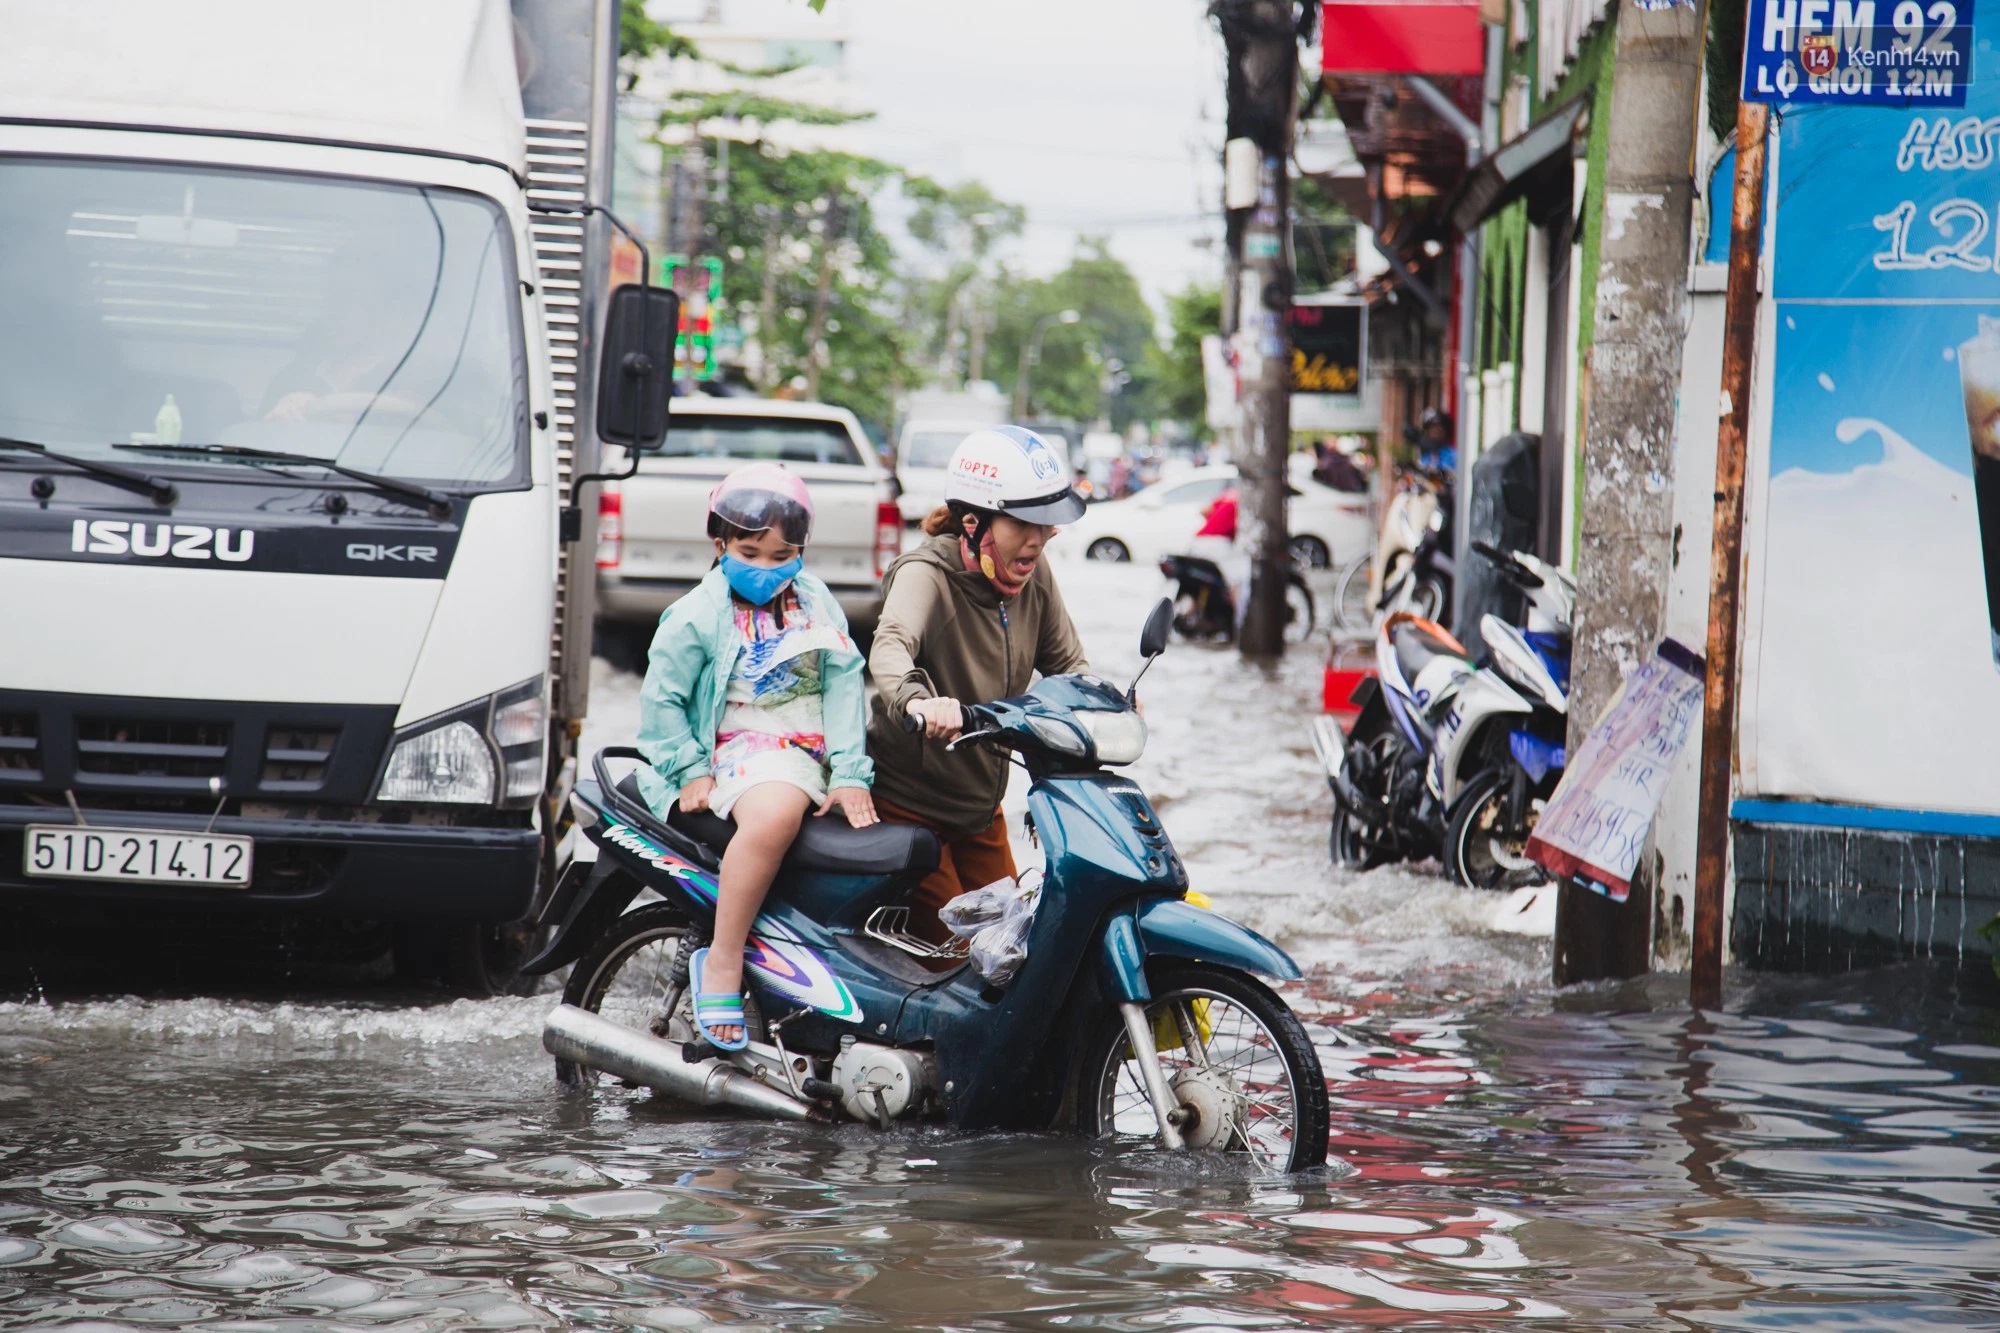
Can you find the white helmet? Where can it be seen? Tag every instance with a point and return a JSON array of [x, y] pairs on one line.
[[1012, 471]]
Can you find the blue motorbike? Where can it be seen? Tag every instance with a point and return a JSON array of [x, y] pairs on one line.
[[1134, 1013]]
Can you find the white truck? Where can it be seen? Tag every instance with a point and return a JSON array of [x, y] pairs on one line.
[[301, 306]]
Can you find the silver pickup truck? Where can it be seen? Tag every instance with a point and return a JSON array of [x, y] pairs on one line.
[[652, 544]]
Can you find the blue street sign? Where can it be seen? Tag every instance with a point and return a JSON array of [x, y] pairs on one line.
[[1909, 53]]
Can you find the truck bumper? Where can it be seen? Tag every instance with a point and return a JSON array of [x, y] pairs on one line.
[[378, 871], [641, 601]]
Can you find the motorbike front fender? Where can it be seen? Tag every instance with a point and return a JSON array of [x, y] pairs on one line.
[[1171, 928]]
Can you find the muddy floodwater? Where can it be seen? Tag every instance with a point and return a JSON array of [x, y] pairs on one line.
[[1823, 1155]]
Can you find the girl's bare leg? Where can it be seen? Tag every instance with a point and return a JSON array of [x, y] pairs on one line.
[[767, 819]]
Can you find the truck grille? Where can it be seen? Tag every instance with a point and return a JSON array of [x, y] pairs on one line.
[[156, 753], [20, 746], [295, 758], [171, 753]]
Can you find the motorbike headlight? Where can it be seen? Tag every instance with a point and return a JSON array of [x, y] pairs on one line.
[[447, 765], [488, 752], [1118, 736], [1058, 735]]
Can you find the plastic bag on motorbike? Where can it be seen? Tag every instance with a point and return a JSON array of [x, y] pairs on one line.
[[995, 921]]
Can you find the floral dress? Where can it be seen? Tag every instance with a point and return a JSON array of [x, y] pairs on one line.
[[771, 728]]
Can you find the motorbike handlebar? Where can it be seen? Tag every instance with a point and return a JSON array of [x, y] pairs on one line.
[[1510, 568]]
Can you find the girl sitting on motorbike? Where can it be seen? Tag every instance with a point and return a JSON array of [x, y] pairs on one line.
[[752, 709], [970, 614]]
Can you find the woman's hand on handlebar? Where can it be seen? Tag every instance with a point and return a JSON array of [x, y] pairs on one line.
[[695, 795], [942, 719]]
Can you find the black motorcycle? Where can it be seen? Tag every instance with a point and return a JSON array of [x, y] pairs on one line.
[[1205, 608]]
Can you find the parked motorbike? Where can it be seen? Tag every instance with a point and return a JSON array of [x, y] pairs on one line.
[[1512, 753], [1134, 1012], [1205, 606], [1383, 807]]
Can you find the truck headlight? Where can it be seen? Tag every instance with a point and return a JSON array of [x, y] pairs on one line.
[[447, 765], [487, 752], [1119, 737]]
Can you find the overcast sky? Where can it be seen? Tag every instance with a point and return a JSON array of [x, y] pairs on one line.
[[1099, 116]]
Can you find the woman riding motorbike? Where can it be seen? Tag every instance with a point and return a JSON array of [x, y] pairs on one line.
[[971, 614]]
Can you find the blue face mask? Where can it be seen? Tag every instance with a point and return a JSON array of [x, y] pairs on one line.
[[758, 584]]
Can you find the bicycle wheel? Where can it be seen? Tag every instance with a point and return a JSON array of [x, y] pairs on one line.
[[1353, 613], [1235, 1057], [1298, 611]]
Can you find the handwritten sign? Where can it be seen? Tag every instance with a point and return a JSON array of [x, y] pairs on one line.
[[1595, 825]]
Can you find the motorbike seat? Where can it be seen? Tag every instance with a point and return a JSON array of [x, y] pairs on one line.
[[1417, 647], [830, 845]]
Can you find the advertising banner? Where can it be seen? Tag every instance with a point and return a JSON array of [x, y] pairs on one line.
[[1858, 52], [1873, 568], [1327, 353]]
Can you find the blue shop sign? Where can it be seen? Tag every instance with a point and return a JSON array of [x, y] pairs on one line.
[[1908, 53]]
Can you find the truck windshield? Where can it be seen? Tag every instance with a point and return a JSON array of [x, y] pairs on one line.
[[371, 324], [930, 448]]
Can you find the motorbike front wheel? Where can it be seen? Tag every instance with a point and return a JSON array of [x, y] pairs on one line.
[[1484, 847], [635, 975], [1237, 1060]]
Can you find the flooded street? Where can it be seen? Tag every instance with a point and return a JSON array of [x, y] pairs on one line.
[[1825, 1155]]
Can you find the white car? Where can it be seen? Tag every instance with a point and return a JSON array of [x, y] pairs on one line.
[[1329, 528], [652, 542]]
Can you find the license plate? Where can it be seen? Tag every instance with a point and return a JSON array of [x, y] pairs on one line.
[[139, 856]]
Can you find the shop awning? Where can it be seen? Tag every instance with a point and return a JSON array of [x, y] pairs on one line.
[[1540, 155], [1401, 37]]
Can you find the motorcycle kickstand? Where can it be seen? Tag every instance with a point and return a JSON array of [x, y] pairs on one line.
[[1140, 1033]]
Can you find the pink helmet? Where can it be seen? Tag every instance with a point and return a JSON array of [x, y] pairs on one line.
[[758, 496]]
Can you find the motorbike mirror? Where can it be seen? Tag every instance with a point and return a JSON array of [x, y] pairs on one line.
[[1152, 641], [1153, 638]]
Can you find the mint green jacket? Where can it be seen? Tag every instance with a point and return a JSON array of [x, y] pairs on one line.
[[687, 677]]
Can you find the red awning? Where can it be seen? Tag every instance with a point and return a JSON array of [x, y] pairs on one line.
[[1401, 37]]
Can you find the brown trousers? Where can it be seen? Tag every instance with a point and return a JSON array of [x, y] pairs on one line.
[[966, 861]]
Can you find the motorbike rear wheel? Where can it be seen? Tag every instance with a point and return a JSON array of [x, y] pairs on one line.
[[635, 974], [1238, 1060]]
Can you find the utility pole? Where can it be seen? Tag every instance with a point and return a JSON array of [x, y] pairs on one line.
[[1261, 41], [1725, 573], [829, 253], [767, 304], [1629, 387]]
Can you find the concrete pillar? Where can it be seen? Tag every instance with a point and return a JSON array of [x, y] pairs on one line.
[[1625, 511]]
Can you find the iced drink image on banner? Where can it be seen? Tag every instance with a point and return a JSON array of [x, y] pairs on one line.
[[1979, 377]]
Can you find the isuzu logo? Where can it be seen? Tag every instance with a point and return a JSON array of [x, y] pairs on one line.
[[372, 551], [175, 541]]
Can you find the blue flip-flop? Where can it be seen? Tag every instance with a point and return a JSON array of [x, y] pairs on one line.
[[713, 1011]]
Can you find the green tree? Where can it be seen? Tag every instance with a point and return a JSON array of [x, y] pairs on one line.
[[1174, 367], [804, 256], [1081, 362], [958, 228]]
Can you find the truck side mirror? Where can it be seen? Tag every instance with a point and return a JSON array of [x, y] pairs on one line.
[[635, 372]]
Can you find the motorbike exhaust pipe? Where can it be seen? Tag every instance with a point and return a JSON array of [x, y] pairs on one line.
[[1368, 812], [582, 1037]]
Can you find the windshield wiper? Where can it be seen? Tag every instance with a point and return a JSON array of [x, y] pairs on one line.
[[159, 488], [436, 501]]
